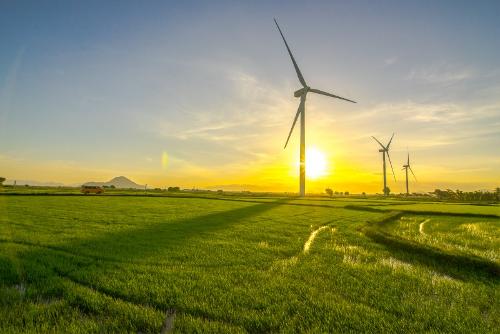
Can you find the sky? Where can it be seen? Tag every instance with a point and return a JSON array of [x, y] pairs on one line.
[[200, 94]]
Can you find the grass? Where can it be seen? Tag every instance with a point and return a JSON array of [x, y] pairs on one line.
[[86, 264], [446, 208]]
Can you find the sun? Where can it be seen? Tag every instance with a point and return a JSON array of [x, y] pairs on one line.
[[315, 163]]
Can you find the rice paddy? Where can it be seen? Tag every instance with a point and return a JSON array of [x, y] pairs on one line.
[[93, 264]]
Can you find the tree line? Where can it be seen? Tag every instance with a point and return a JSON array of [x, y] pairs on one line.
[[460, 195]]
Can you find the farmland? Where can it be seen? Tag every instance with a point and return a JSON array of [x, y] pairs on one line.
[[246, 264]]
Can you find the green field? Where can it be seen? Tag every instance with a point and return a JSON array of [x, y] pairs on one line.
[[118, 263]]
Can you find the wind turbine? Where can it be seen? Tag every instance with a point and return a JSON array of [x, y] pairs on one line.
[[385, 150], [302, 93], [406, 167]]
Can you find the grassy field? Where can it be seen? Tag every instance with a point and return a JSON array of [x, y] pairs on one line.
[[247, 264]]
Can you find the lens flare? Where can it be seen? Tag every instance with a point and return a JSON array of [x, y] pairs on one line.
[[164, 160]]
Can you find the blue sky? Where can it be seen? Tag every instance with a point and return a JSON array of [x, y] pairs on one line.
[[93, 89]]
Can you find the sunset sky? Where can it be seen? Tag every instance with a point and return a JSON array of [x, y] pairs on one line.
[[200, 94]]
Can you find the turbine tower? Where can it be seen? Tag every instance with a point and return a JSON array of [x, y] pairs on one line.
[[385, 150], [405, 168], [302, 93]]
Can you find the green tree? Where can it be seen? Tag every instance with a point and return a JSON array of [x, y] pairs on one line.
[[387, 191], [329, 192], [2, 180]]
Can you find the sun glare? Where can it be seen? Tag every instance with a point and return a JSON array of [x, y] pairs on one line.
[[315, 163], [164, 160]]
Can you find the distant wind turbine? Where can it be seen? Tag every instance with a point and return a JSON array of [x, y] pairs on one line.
[[385, 150], [405, 168], [302, 93]]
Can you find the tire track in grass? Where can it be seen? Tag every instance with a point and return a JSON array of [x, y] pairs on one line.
[[82, 295], [100, 301], [307, 246], [312, 236], [143, 310], [168, 312], [458, 266], [168, 325], [68, 252], [291, 261], [107, 260], [421, 226]]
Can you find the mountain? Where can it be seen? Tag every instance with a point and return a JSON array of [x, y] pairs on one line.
[[119, 182]]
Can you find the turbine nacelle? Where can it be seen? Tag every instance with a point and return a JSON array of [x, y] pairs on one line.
[[302, 91]]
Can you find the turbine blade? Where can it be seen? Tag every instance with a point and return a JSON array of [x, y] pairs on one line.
[[317, 91], [379, 142], [299, 110], [299, 74], [389, 144], [388, 156], [411, 170], [408, 162]]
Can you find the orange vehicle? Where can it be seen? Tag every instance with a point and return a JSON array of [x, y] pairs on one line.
[[92, 190]]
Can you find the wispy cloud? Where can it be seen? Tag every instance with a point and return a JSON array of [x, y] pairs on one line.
[[444, 113], [255, 106], [391, 60], [442, 73], [210, 132], [8, 87]]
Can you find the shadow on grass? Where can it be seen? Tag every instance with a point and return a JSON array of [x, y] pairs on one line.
[[249, 199], [462, 267], [422, 212], [140, 242], [80, 261]]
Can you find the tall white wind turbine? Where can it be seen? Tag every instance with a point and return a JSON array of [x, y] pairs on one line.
[[385, 151], [302, 93], [405, 168]]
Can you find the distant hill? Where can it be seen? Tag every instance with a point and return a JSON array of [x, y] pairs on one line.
[[119, 182]]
